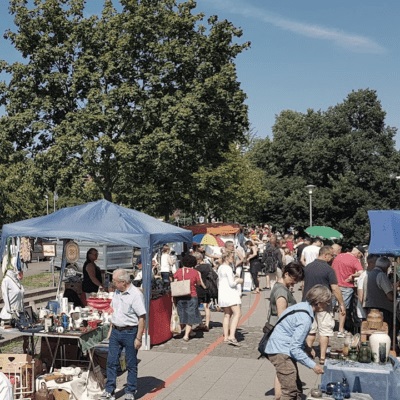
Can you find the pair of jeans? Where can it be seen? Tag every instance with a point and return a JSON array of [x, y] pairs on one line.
[[165, 279], [118, 341]]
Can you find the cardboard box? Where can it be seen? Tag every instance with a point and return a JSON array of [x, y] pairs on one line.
[[13, 363]]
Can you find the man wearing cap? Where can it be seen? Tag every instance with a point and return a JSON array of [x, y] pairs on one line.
[[378, 291], [347, 266]]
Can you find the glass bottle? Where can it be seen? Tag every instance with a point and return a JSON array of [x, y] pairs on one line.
[[348, 338], [353, 354], [346, 388], [364, 355], [338, 391]]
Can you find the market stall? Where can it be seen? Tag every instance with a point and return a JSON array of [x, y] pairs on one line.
[[380, 381], [102, 221], [385, 241]]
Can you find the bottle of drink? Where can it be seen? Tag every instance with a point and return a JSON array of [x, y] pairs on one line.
[[107, 280], [345, 388]]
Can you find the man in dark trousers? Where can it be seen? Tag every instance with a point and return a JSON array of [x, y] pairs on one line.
[[126, 330], [319, 272], [379, 291]]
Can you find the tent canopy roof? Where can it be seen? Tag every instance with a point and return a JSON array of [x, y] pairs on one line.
[[216, 228], [99, 221], [385, 232]]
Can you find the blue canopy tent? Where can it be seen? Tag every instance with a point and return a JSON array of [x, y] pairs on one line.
[[385, 232], [102, 221]]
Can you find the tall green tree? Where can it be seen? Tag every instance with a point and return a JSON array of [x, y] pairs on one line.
[[133, 102], [233, 191], [347, 152]]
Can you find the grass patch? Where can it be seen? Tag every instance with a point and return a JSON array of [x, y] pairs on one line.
[[9, 347], [42, 280]]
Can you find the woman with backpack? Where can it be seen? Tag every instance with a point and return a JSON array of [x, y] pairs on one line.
[[203, 295], [285, 346]]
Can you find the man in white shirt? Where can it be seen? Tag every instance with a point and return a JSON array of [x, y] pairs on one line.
[[310, 253], [126, 330]]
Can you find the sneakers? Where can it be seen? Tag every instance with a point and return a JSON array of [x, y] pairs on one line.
[[341, 334], [129, 396], [108, 396]]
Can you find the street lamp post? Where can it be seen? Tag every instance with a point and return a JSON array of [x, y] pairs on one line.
[[310, 189], [47, 203], [55, 198]]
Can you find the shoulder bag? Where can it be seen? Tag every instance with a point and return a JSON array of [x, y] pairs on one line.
[[181, 288]]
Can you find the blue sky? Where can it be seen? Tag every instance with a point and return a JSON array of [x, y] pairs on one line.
[[304, 54], [311, 54]]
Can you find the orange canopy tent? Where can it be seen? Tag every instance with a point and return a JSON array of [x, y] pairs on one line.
[[214, 228]]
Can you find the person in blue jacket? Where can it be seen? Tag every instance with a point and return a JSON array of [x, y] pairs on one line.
[[286, 345]]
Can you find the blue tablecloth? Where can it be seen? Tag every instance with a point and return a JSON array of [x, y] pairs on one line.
[[382, 382]]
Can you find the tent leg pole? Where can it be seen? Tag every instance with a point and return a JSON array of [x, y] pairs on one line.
[[394, 303]]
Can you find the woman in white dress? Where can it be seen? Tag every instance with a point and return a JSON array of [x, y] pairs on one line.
[[229, 298]]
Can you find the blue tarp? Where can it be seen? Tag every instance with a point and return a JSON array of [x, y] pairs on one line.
[[385, 232], [102, 221]]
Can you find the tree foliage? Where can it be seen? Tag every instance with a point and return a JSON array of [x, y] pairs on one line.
[[127, 105], [233, 191], [347, 152]]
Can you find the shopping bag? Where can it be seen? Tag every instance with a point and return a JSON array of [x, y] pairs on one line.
[[175, 322], [180, 288]]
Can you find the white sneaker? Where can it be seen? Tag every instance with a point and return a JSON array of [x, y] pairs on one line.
[[341, 334], [129, 396], [107, 396]]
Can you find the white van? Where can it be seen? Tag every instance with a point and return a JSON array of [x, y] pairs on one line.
[[111, 256]]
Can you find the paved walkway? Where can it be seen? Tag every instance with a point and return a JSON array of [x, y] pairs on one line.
[[208, 369]]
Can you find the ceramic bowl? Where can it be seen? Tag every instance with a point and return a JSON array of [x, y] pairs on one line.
[[316, 393]]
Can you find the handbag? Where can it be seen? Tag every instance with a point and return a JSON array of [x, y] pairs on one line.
[[175, 325], [269, 328], [181, 288]]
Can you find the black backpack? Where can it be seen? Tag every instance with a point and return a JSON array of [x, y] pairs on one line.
[[212, 283], [270, 259]]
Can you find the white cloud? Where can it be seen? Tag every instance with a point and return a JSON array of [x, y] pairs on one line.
[[352, 42]]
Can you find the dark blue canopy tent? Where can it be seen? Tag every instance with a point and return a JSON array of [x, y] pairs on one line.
[[385, 232], [102, 221]]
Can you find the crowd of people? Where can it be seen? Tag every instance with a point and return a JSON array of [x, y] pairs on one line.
[[346, 283], [349, 282]]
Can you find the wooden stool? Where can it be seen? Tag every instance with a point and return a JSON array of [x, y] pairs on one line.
[[366, 332]]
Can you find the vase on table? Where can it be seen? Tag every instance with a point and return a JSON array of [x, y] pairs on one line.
[[376, 339]]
